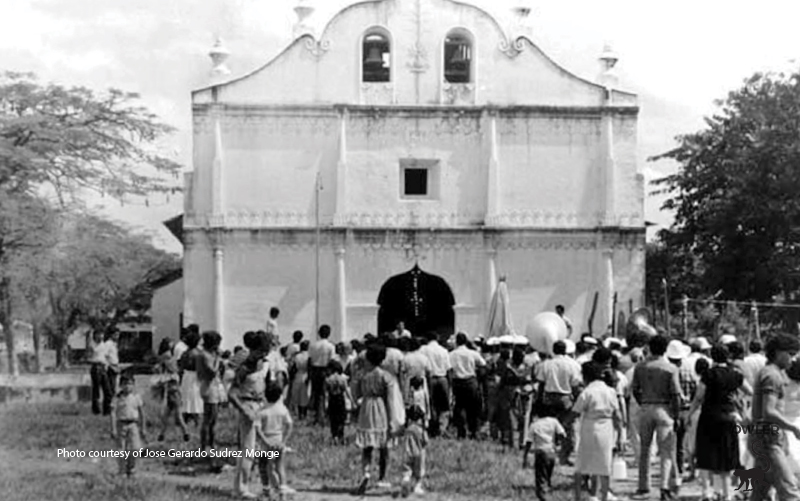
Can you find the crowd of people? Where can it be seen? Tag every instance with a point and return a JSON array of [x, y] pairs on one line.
[[583, 405]]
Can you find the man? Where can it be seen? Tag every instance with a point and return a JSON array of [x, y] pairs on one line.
[[401, 330], [465, 363], [560, 312], [701, 348], [560, 380], [112, 356], [320, 353], [100, 361], [440, 384], [272, 321], [768, 414], [754, 362], [677, 351], [586, 349], [656, 388]]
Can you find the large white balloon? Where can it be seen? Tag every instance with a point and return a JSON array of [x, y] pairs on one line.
[[544, 330]]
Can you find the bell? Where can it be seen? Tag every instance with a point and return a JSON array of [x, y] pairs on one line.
[[374, 58], [458, 58]]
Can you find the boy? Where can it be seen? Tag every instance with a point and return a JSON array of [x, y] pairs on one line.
[[273, 427], [127, 422], [543, 433]]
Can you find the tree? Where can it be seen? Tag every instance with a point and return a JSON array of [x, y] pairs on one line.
[[59, 141], [96, 273], [735, 196]]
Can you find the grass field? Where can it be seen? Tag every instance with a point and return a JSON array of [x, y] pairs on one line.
[[31, 434]]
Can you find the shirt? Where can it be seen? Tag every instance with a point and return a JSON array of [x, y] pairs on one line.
[[438, 357], [272, 326], [321, 352], [542, 434], [417, 364], [105, 353], [656, 381], [464, 362], [274, 420], [752, 365], [559, 374], [292, 350], [688, 379], [207, 366], [127, 407], [770, 381]]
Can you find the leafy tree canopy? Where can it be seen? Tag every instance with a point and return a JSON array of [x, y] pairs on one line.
[[735, 197]]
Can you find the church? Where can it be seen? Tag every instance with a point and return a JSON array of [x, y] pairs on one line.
[[395, 164]]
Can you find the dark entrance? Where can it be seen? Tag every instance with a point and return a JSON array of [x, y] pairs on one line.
[[424, 302]]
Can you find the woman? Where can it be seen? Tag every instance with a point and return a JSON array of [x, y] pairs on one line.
[[598, 407], [717, 443], [395, 365], [192, 400], [374, 427], [792, 413], [299, 395]]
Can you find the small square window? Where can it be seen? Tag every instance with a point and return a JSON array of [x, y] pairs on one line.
[[416, 182]]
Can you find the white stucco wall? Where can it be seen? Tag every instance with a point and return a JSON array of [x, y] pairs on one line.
[[166, 310]]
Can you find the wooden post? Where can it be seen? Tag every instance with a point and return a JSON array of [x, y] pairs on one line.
[[756, 322], [614, 316], [685, 316], [666, 306]]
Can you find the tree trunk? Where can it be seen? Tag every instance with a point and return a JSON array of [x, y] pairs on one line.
[[37, 348], [6, 323]]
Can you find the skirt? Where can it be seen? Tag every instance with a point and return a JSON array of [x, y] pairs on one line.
[[192, 402], [301, 392], [372, 429], [717, 443], [596, 447]]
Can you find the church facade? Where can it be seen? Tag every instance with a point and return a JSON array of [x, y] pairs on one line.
[[394, 166]]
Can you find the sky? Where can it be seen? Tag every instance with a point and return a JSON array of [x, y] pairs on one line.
[[679, 56]]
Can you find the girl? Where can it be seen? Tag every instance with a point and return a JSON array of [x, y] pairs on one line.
[[374, 427], [415, 440], [300, 395], [599, 408], [192, 401], [420, 398], [338, 394]]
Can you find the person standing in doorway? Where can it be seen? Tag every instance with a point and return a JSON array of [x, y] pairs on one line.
[[320, 353]]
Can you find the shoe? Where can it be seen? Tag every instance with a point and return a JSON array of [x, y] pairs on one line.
[[248, 495], [666, 495], [405, 490], [362, 487], [185, 437], [383, 484], [161, 438], [418, 490], [285, 489], [642, 493]]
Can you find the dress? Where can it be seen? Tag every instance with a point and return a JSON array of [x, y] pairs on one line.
[[394, 365], [597, 405], [300, 393], [717, 443], [192, 400], [792, 412], [372, 429]]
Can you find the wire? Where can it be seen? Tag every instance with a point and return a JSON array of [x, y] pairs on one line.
[[745, 303]]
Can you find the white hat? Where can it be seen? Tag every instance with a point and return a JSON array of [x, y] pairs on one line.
[[677, 349], [520, 340], [728, 339], [570, 344], [702, 343], [493, 341], [589, 340], [607, 342], [506, 339]]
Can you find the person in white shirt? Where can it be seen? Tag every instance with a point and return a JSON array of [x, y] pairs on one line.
[[100, 360], [560, 312], [560, 379], [754, 362], [320, 353], [401, 330], [440, 383], [272, 321], [112, 358], [465, 364]]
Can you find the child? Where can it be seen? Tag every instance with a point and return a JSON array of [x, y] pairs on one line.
[[273, 427], [543, 434], [415, 440], [338, 392], [247, 397], [169, 390], [128, 422], [208, 365], [420, 398]]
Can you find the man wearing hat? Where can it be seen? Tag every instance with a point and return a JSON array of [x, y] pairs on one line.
[[677, 351], [701, 348], [586, 349]]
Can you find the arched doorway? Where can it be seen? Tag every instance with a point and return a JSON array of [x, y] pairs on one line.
[[424, 302]]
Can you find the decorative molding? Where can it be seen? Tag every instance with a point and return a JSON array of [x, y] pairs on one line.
[[512, 48], [317, 48], [418, 59], [458, 93], [377, 93]]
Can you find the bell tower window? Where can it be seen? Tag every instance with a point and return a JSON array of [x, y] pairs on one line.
[[457, 58], [376, 58]]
